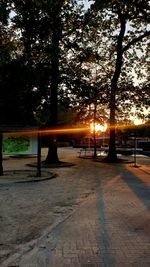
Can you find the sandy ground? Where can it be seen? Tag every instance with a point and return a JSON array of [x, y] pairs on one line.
[[28, 209]]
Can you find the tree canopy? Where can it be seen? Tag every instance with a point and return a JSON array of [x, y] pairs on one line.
[[56, 53]]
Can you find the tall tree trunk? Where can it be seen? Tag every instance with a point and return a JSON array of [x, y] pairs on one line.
[[112, 155], [52, 156]]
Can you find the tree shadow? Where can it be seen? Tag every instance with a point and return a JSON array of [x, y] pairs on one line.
[[103, 238], [141, 190]]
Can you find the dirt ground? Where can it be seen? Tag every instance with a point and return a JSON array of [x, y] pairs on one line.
[[29, 208]]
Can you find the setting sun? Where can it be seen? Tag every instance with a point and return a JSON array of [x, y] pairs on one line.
[[98, 127], [138, 121]]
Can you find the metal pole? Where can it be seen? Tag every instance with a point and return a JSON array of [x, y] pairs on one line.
[[1, 154], [39, 156], [135, 148], [95, 154]]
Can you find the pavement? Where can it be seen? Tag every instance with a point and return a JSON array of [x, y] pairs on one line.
[[110, 227]]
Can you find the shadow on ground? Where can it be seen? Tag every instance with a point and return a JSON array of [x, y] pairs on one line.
[[141, 190]]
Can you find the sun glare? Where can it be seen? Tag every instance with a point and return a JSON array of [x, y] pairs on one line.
[[98, 127], [138, 121]]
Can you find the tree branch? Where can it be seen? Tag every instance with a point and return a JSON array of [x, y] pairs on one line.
[[136, 40]]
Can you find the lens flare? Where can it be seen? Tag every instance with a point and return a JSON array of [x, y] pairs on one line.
[[69, 130], [50, 131]]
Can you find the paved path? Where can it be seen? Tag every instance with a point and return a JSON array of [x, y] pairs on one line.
[[110, 228]]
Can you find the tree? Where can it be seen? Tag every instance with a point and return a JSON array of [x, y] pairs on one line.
[[56, 29], [62, 27], [43, 26], [123, 14], [88, 79], [4, 56], [18, 73]]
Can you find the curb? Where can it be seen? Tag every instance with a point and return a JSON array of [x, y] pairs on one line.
[[24, 176]]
